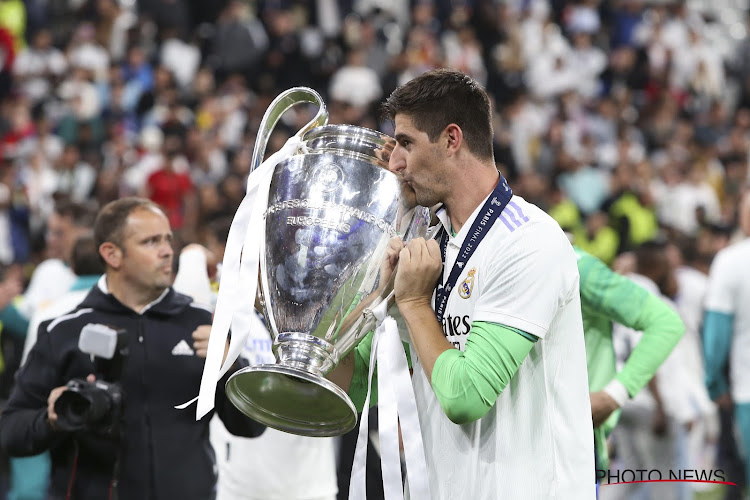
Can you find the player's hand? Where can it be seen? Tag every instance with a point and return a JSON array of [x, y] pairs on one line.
[[200, 342], [395, 245], [602, 406], [419, 268]]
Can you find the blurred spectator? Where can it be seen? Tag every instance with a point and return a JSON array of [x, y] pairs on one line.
[[137, 73], [463, 52], [7, 57], [75, 178], [13, 18], [687, 200], [355, 83], [14, 213], [114, 21], [148, 161], [237, 26], [172, 14], [630, 209], [725, 331], [654, 424], [171, 188], [54, 276], [692, 283], [84, 51], [11, 286], [39, 66], [180, 58]]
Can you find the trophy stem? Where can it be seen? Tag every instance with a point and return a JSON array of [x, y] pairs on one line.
[[306, 352]]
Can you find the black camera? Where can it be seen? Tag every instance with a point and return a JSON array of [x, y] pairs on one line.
[[96, 406], [91, 406]]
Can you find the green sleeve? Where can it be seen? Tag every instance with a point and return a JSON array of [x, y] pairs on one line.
[[358, 386], [662, 328], [468, 383], [608, 294]]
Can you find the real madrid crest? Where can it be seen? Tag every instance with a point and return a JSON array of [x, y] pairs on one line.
[[465, 288]]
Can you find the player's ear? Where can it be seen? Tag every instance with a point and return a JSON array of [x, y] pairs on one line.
[[453, 137]]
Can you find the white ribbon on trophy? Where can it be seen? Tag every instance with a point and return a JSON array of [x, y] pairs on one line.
[[396, 405]]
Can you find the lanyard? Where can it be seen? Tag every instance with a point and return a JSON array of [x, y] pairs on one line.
[[486, 217]]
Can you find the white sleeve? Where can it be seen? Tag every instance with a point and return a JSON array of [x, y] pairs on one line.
[[51, 279], [720, 296], [527, 280], [192, 276]]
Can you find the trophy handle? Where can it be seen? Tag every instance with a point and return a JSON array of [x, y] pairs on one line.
[[278, 107]]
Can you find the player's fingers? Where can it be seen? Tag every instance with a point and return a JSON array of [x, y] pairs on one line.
[[417, 248], [433, 250], [202, 332], [404, 257]]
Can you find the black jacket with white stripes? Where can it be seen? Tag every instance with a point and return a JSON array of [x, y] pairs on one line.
[[165, 453]]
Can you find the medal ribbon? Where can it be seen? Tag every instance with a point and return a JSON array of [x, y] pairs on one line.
[[487, 216]]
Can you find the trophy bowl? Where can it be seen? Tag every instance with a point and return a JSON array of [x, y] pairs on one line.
[[332, 209]]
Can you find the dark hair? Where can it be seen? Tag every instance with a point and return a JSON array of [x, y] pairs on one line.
[[85, 259], [80, 214], [652, 262], [110, 221], [440, 97], [219, 227]]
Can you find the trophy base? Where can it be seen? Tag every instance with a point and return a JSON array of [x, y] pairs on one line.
[[292, 400]]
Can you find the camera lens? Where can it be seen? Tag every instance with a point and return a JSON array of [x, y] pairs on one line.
[[72, 410], [82, 405]]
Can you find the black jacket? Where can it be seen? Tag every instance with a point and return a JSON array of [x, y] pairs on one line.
[[165, 453]]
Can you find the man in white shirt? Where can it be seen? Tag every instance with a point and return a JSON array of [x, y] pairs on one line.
[[498, 352]]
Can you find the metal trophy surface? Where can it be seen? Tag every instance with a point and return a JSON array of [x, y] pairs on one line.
[[332, 209]]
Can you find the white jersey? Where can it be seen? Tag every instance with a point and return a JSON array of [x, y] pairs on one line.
[[729, 293], [51, 279], [276, 465], [536, 442]]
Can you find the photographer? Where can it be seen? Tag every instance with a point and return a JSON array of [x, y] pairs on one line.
[[152, 451]]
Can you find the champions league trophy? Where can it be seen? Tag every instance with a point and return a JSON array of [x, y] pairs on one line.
[[332, 208]]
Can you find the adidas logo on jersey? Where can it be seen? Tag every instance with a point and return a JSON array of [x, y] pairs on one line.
[[182, 349]]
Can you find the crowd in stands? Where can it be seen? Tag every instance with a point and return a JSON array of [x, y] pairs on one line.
[[627, 120]]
